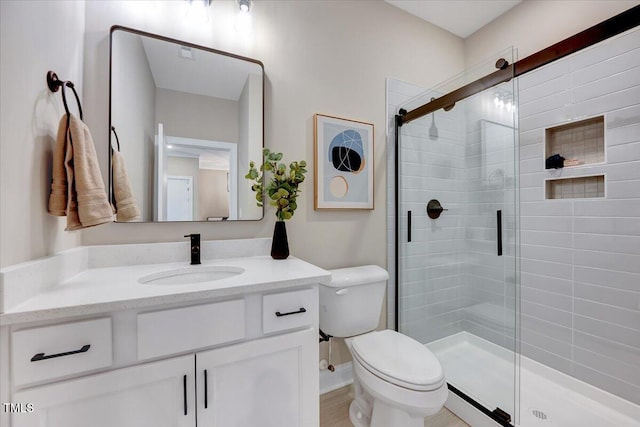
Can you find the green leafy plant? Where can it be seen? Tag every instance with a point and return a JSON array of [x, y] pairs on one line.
[[282, 187]]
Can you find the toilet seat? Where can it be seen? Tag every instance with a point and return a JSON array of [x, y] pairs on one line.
[[398, 359]]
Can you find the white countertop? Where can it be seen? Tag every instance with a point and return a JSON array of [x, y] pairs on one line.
[[104, 290]]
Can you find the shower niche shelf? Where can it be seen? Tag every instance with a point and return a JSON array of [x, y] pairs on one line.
[[580, 142], [581, 187]]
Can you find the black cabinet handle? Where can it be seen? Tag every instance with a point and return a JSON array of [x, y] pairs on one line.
[[302, 310], [206, 390], [499, 228], [184, 392], [408, 226], [41, 356]]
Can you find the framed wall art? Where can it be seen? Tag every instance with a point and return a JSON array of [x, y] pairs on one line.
[[343, 160]]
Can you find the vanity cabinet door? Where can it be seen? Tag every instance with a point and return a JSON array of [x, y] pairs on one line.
[[156, 394], [270, 382]]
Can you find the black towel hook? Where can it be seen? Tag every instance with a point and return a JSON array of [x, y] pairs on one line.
[[113, 129], [55, 83]]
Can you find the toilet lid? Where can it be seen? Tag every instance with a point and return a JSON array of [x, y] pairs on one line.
[[398, 359]]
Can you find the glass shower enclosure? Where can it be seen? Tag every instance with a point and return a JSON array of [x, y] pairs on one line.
[[457, 241]]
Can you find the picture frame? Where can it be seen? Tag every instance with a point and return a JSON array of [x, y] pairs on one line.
[[343, 163]]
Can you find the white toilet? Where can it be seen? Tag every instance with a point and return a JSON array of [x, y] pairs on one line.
[[397, 380]]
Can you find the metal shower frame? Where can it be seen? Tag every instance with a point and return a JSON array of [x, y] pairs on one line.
[[505, 72]]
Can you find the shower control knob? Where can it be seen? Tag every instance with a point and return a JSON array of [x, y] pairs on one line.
[[434, 209]]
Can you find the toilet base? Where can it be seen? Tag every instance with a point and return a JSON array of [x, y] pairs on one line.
[[358, 417], [369, 409], [385, 415], [379, 403], [382, 415]]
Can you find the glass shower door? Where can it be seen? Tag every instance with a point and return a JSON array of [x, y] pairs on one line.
[[457, 267]]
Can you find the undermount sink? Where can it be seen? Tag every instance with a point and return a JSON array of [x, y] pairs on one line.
[[191, 275]]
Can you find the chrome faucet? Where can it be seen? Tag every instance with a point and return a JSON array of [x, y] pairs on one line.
[[195, 248]]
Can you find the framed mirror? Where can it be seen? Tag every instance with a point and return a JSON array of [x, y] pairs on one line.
[[185, 120]]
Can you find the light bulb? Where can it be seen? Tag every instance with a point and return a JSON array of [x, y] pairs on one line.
[[245, 5]]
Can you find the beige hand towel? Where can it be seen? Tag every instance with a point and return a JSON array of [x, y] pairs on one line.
[[58, 196], [86, 199], [126, 206]]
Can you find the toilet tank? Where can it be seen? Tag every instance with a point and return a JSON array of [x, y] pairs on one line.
[[350, 302]]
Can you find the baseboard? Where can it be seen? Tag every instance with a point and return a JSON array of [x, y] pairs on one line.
[[342, 376]]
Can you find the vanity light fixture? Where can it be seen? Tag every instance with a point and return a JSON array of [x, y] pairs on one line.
[[205, 3], [243, 17], [245, 5]]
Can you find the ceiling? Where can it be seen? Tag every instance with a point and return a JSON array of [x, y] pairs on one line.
[[208, 73], [460, 17]]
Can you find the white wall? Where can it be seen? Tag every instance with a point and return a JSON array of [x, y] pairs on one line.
[[250, 125], [533, 25], [35, 37], [320, 57], [189, 115]]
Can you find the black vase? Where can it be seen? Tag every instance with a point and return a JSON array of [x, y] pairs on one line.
[[279, 244]]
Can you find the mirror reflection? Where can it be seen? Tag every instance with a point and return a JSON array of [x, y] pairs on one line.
[[187, 120]]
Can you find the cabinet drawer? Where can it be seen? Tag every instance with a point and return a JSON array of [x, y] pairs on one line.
[[289, 310], [177, 330], [49, 352]]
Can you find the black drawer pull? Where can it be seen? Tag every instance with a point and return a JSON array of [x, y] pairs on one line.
[[41, 356], [302, 310]]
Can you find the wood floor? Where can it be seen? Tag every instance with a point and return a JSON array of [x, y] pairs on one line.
[[334, 412]]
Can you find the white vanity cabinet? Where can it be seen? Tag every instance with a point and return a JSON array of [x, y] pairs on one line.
[[157, 394], [249, 360], [260, 383]]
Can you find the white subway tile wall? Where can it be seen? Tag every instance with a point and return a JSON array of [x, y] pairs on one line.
[[399, 95], [432, 160], [452, 279], [581, 257]]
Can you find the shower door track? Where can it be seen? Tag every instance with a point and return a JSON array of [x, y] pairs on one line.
[[593, 35], [498, 415]]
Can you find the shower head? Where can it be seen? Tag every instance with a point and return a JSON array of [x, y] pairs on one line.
[[433, 130]]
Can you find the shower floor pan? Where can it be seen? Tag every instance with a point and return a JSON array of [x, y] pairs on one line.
[[548, 397]]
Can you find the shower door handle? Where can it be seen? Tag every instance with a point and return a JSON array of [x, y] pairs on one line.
[[408, 226], [184, 394], [499, 230]]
